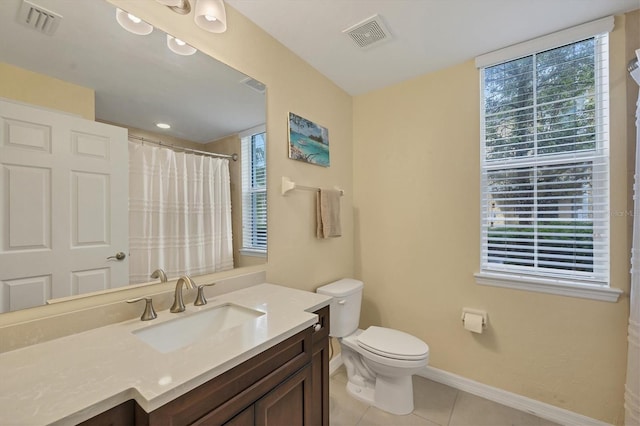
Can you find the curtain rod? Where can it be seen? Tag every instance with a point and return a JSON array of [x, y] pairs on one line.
[[233, 156]]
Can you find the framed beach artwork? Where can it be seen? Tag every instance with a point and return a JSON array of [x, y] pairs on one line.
[[308, 141]]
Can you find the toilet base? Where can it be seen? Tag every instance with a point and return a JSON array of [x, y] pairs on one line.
[[391, 394], [362, 394], [394, 394]]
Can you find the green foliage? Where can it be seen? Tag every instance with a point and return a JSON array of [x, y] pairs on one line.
[[516, 245], [541, 104]]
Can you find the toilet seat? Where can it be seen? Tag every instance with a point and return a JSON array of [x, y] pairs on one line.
[[394, 344]]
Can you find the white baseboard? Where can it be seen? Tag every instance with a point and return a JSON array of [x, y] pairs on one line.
[[509, 399]]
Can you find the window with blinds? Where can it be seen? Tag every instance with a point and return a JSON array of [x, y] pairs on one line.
[[254, 192], [545, 164]]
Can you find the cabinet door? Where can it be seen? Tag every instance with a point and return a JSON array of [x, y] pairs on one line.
[[288, 404], [245, 418], [320, 370], [320, 383]]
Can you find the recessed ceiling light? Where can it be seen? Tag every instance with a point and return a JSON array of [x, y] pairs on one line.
[[163, 125]]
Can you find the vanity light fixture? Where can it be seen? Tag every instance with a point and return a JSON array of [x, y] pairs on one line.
[[163, 125], [132, 23], [210, 15], [180, 47]]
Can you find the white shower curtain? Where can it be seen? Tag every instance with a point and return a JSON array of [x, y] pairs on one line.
[[179, 213], [632, 387]]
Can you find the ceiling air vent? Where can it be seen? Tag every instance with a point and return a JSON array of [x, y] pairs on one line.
[[254, 84], [369, 32], [38, 18]]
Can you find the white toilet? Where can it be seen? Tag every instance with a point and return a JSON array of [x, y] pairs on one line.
[[380, 362]]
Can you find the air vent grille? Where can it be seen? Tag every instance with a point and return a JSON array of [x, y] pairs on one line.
[[369, 32], [38, 18], [254, 84]]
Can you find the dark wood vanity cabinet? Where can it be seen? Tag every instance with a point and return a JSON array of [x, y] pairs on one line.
[[320, 370], [123, 414], [287, 384]]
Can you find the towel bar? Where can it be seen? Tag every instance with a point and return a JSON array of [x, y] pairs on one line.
[[289, 185]]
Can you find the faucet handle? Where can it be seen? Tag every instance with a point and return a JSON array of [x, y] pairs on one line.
[[200, 299], [149, 313], [159, 274]]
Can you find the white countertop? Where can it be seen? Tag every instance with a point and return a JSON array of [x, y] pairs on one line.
[[71, 379]]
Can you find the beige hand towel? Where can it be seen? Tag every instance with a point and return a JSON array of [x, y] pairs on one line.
[[328, 213]]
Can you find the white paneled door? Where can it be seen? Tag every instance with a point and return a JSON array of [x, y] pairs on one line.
[[63, 206]]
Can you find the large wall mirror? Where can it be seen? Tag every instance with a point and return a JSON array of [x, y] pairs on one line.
[[134, 82]]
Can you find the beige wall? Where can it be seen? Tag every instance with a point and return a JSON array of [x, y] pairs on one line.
[[159, 137], [37, 89], [416, 183]]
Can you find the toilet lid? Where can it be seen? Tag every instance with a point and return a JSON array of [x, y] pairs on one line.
[[392, 343]]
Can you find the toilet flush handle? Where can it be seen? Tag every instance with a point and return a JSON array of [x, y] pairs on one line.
[[342, 302]]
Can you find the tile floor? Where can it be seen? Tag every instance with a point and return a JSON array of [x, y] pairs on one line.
[[435, 405]]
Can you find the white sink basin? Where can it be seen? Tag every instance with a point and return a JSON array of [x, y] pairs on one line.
[[186, 330]]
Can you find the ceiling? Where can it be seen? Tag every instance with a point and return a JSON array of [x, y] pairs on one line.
[[202, 97], [427, 35], [137, 80]]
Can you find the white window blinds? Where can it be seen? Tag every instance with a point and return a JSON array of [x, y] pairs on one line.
[[545, 164], [254, 190]]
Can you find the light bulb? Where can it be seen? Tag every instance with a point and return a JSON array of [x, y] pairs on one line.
[[210, 18], [134, 18], [180, 47]]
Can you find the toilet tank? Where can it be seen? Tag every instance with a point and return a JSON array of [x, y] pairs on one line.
[[345, 305]]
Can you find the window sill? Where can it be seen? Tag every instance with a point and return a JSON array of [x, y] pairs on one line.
[[550, 286], [253, 252]]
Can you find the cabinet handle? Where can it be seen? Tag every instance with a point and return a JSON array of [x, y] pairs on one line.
[[317, 327]]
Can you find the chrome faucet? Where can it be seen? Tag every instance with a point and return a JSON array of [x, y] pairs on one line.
[[159, 273], [178, 302]]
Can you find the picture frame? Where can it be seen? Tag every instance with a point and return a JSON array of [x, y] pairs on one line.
[[308, 141]]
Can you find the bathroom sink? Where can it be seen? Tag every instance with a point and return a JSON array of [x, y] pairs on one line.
[[186, 330]]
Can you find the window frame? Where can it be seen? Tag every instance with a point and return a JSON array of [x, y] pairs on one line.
[[519, 277], [249, 247]]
